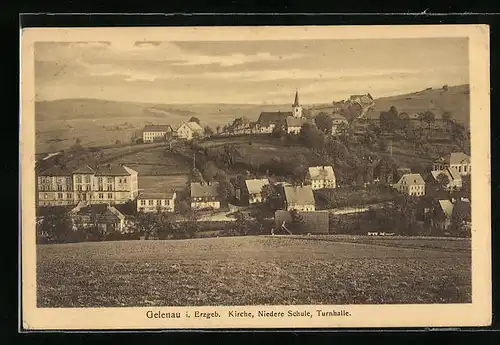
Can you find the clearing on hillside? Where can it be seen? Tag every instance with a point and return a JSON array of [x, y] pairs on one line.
[[265, 270]]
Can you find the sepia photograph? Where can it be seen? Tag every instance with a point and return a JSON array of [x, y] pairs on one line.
[[210, 177]]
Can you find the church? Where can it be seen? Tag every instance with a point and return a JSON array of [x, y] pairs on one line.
[[290, 121]]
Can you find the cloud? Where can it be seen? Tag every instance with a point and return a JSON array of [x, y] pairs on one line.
[[233, 59]]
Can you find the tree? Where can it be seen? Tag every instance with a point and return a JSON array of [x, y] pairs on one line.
[[447, 119], [429, 117], [208, 131], [182, 207], [352, 112], [383, 145], [389, 120], [225, 189], [297, 224], [148, 224], [196, 176], [443, 180], [78, 141], [194, 119], [324, 122], [218, 128], [311, 136], [369, 138], [272, 197], [57, 226], [210, 170]]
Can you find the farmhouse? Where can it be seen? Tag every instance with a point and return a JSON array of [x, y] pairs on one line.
[[411, 184], [152, 202], [462, 212], [300, 198], [458, 160], [250, 191], [152, 133], [443, 214], [105, 217], [189, 130], [269, 120], [103, 184], [362, 100], [338, 122], [205, 196], [321, 177], [316, 222], [452, 175]]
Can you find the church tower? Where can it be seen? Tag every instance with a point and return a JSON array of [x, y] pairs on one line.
[[297, 108]]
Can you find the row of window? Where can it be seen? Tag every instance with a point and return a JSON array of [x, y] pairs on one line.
[[79, 179], [70, 196], [208, 198], [158, 202]]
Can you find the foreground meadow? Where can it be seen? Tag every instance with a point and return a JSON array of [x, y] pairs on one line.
[[251, 271]]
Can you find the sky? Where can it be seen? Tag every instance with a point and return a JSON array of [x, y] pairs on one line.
[[246, 72]]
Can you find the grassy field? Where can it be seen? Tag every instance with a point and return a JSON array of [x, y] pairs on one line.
[[154, 162], [250, 271], [162, 183]]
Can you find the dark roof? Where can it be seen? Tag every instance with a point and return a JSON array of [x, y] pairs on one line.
[[56, 170], [302, 195], [314, 222], [111, 170], [85, 169], [296, 121], [199, 190], [462, 209], [157, 128], [93, 209], [273, 117], [163, 195], [296, 102]]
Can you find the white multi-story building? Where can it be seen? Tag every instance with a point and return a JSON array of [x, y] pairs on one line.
[[188, 130], [321, 177], [152, 133], [411, 184], [457, 160], [110, 184], [299, 198], [152, 202]]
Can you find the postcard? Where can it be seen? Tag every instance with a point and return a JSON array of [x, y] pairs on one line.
[[255, 177]]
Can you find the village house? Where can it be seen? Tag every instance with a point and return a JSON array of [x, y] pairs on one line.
[[411, 184], [457, 160], [362, 100], [189, 130], [153, 202], [113, 184], [293, 125], [153, 133], [105, 217], [250, 191], [311, 222], [300, 198], [205, 196], [454, 178], [443, 214], [338, 121], [321, 177]]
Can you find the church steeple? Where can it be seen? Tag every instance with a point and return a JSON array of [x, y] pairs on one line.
[[296, 103], [297, 109]]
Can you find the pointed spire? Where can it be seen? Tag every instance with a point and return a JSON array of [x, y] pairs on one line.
[[296, 103]]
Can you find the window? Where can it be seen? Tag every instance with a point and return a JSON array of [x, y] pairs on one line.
[[150, 202], [68, 180], [158, 202], [59, 195], [101, 195], [78, 179], [143, 202], [68, 196], [87, 187], [465, 168], [99, 179], [110, 180], [125, 180], [119, 180], [80, 187], [459, 168], [87, 179], [46, 196], [110, 187], [110, 195]]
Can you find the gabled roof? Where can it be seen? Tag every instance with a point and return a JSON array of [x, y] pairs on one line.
[[302, 195], [85, 169], [454, 173], [296, 102], [111, 170], [296, 121], [446, 207], [56, 170], [199, 190], [156, 195], [462, 209], [322, 173], [459, 158], [112, 211], [157, 128], [337, 116], [313, 222], [255, 186], [412, 179], [194, 126], [273, 117]]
